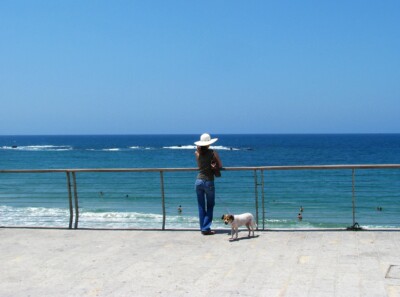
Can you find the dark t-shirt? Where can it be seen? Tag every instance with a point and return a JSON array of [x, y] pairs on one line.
[[204, 163]]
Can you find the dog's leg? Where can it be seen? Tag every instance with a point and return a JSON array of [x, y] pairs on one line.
[[237, 232], [232, 232], [248, 228]]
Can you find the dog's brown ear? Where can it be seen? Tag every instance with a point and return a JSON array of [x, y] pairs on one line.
[[231, 217], [222, 217]]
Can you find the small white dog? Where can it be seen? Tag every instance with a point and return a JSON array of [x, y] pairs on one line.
[[239, 220]]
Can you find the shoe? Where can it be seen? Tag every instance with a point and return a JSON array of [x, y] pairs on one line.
[[208, 232]]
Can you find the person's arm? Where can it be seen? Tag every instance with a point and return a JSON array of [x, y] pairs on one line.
[[218, 159], [197, 157]]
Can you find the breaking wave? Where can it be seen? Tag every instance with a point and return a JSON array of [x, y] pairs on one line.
[[38, 148], [193, 147], [112, 149]]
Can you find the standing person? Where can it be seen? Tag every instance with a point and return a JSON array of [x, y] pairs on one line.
[[205, 189]]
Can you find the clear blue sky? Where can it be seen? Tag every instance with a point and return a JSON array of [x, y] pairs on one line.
[[148, 67]]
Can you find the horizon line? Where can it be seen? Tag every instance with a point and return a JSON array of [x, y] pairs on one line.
[[178, 134]]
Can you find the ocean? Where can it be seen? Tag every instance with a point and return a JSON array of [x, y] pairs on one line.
[[133, 199]]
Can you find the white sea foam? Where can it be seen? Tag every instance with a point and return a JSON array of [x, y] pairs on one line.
[[133, 220], [116, 149], [219, 147], [34, 216], [193, 147], [140, 148], [180, 147], [38, 148], [58, 217]]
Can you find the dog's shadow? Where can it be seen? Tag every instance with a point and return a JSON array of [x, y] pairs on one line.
[[242, 238]]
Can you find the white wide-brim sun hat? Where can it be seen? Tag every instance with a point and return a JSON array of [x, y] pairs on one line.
[[205, 140]]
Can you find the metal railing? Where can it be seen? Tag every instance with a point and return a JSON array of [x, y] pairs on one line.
[[278, 191]]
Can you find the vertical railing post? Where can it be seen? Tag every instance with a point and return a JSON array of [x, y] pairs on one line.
[[353, 197], [71, 211], [76, 200], [162, 198], [262, 200], [256, 193]]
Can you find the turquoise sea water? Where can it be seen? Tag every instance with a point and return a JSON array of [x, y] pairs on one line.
[[132, 200]]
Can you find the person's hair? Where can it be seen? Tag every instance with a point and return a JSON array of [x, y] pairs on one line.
[[203, 150]]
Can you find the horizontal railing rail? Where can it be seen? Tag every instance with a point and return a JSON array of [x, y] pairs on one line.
[[270, 189], [245, 168]]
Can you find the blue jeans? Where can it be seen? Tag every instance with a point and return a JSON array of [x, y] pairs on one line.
[[205, 191]]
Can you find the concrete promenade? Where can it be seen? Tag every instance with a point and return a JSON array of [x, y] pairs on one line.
[[53, 262]]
